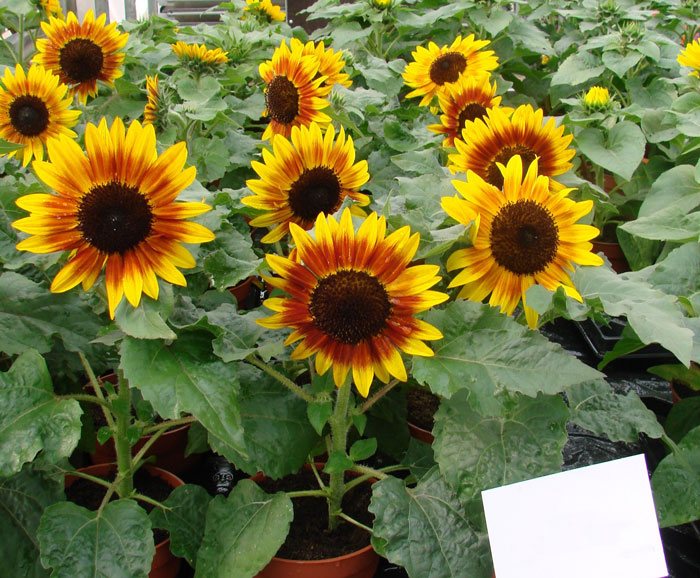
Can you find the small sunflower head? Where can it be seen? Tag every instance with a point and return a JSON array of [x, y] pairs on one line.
[[544, 59], [198, 56], [381, 4], [597, 99], [690, 57], [49, 7], [265, 10]]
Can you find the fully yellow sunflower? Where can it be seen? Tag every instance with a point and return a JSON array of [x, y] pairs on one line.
[[525, 235], [434, 68], [501, 135], [303, 178], [465, 100], [82, 53], [52, 8], [265, 8], [294, 93], [353, 297], [151, 110], [114, 209], [690, 57], [199, 53], [33, 109], [330, 62]]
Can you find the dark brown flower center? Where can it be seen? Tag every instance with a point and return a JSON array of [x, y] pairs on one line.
[[114, 217], [527, 155], [470, 112], [81, 60], [29, 115], [316, 191], [282, 100], [447, 68], [350, 306], [524, 237]]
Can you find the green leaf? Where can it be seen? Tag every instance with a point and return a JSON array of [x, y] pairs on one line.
[[198, 90], [620, 63], [677, 187], [277, 434], [689, 376], [337, 462], [529, 36], [146, 321], [240, 335], [363, 449], [619, 151], [231, 258], [243, 532], [8, 147], [184, 520], [578, 68], [654, 316], [425, 529], [381, 75], [621, 418], [679, 272], [115, 541], [30, 317], [486, 352], [318, 414], [185, 377], [683, 417], [23, 498], [32, 419], [676, 483], [669, 224], [524, 440]]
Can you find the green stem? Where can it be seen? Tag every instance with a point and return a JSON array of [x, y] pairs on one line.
[[307, 494], [151, 501], [354, 522], [20, 46], [97, 388], [339, 436], [283, 379], [86, 397], [93, 479], [317, 476], [171, 423], [10, 49], [366, 470], [135, 461], [379, 395], [125, 482], [670, 443]]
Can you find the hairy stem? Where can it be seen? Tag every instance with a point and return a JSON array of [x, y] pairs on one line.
[[283, 379], [339, 435]]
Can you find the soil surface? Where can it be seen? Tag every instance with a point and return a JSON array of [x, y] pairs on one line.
[[309, 538], [88, 495], [421, 406]]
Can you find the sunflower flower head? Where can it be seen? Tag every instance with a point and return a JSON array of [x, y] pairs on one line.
[[153, 112], [294, 91], [503, 134], [526, 235], [341, 272], [33, 108], [265, 10], [381, 4], [435, 68], [330, 62], [597, 99], [198, 56], [114, 208], [468, 99], [690, 57], [82, 53], [301, 178], [50, 7]]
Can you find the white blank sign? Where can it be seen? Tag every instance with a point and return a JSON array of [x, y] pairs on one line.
[[593, 522]]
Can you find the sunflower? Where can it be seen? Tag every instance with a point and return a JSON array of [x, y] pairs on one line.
[[151, 110], [266, 9], [435, 68], [341, 273], [33, 109], [294, 94], [330, 62], [526, 235], [597, 98], [500, 135], [690, 57], [51, 8], [114, 208], [199, 54], [465, 100], [82, 54], [303, 178]]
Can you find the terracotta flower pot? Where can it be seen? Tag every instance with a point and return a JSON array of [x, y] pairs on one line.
[[614, 253], [420, 434], [362, 563], [249, 293], [164, 564]]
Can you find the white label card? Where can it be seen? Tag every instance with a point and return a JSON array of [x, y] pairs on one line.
[[593, 522]]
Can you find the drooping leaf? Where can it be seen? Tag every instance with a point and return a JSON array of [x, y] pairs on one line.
[[31, 317], [654, 316], [620, 150], [676, 483], [32, 419], [426, 530], [243, 532], [596, 407], [486, 352], [476, 452], [116, 541], [184, 377], [184, 521], [147, 320], [23, 498]]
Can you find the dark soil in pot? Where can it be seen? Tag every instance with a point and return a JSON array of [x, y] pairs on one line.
[[421, 406], [309, 538]]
